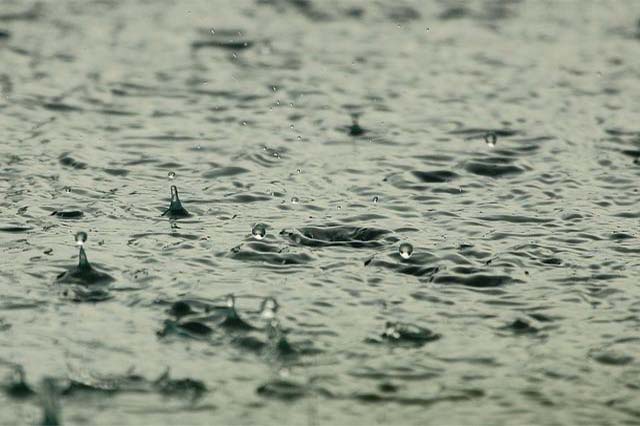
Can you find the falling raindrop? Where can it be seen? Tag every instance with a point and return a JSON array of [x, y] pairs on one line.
[[491, 138], [81, 238], [231, 301], [405, 250], [259, 231], [269, 308]]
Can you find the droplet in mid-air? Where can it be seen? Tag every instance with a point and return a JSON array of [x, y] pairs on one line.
[[268, 308], [259, 231], [172, 175], [405, 250], [231, 301], [491, 138], [81, 238]]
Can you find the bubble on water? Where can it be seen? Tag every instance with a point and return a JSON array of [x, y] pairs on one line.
[[292, 126], [294, 200], [67, 189], [171, 175], [244, 123], [259, 231], [268, 308], [491, 138], [376, 199], [405, 250], [81, 238], [231, 301]]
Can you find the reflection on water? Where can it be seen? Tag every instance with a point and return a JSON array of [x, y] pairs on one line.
[[410, 210]]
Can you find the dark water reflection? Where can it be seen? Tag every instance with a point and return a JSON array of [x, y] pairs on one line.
[[499, 138]]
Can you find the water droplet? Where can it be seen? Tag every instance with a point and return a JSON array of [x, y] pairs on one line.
[[299, 171], [376, 199], [244, 123], [291, 126], [294, 200], [231, 301], [67, 189], [172, 175], [213, 31], [259, 231], [300, 138], [81, 238], [405, 250], [491, 138], [174, 193], [268, 308]]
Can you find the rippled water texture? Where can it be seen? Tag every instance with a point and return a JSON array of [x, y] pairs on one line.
[[309, 140]]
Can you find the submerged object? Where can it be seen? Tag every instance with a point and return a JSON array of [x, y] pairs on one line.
[[175, 209], [83, 273]]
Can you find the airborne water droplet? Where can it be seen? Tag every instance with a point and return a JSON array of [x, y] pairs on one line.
[[405, 250], [81, 238], [491, 138], [231, 301], [269, 308], [259, 231], [172, 175]]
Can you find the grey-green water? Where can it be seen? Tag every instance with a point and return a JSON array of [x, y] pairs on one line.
[[518, 305]]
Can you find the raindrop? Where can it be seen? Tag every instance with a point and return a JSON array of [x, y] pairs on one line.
[[172, 175], [269, 308], [376, 199], [259, 231], [405, 250], [294, 200], [491, 138], [231, 301], [81, 238]]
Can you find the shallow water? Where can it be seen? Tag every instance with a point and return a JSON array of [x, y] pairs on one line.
[[519, 303]]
